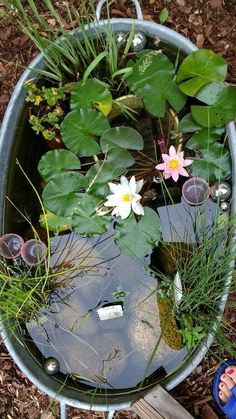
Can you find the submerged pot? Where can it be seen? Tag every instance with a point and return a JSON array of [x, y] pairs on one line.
[[12, 146]]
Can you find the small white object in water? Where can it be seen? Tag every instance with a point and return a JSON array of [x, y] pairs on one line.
[[110, 312], [178, 290]]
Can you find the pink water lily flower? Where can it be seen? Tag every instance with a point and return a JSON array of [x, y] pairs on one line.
[[174, 164]]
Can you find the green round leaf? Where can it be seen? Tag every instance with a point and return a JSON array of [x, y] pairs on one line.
[[55, 222], [138, 239], [55, 162], [123, 137], [199, 68], [91, 93], [202, 138], [103, 172], [153, 80], [220, 113], [60, 195], [188, 124], [79, 129], [85, 220], [210, 93], [215, 163]]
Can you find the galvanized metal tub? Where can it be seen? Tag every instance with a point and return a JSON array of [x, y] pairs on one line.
[[12, 124]]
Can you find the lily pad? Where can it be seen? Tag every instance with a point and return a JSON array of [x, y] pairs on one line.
[[188, 124], [138, 239], [220, 113], [202, 138], [55, 162], [153, 80], [91, 94], [85, 220], [80, 128], [100, 174], [199, 68], [215, 163], [55, 222], [115, 141], [60, 195]]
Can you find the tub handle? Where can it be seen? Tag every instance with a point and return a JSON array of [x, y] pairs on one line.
[[136, 5]]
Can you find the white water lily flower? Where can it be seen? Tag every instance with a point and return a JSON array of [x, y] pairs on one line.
[[125, 197]]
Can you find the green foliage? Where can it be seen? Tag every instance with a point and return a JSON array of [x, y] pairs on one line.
[[85, 219], [56, 162], [61, 194], [222, 107], [115, 141], [55, 223], [100, 174], [203, 138], [199, 68], [188, 124], [191, 334], [47, 113], [80, 128], [163, 15], [137, 239], [91, 94], [153, 80], [214, 164], [119, 294]]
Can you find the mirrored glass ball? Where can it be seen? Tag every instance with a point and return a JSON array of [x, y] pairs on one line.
[[224, 206], [51, 366], [121, 38], [220, 191], [139, 41]]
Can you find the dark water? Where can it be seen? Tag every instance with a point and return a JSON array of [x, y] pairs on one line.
[[111, 353]]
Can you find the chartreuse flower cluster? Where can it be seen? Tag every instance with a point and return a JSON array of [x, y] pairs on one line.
[[47, 113]]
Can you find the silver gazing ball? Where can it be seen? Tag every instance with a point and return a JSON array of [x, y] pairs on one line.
[[51, 366], [224, 206], [220, 191], [139, 42], [121, 38]]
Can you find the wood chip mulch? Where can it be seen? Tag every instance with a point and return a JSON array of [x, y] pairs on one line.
[[208, 24]]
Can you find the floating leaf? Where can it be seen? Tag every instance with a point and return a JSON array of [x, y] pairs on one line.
[[138, 239], [100, 174], [215, 163], [115, 141], [188, 124], [85, 220], [60, 195], [91, 94], [123, 137], [202, 138], [199, 68], [79, 129], [55, 162], [220, 113], [55, 222], [210, 93], [153, 80]]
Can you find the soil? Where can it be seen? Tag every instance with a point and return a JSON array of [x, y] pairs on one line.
[[208, 24]]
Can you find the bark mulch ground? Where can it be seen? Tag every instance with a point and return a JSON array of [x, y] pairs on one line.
[[208, 24]]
